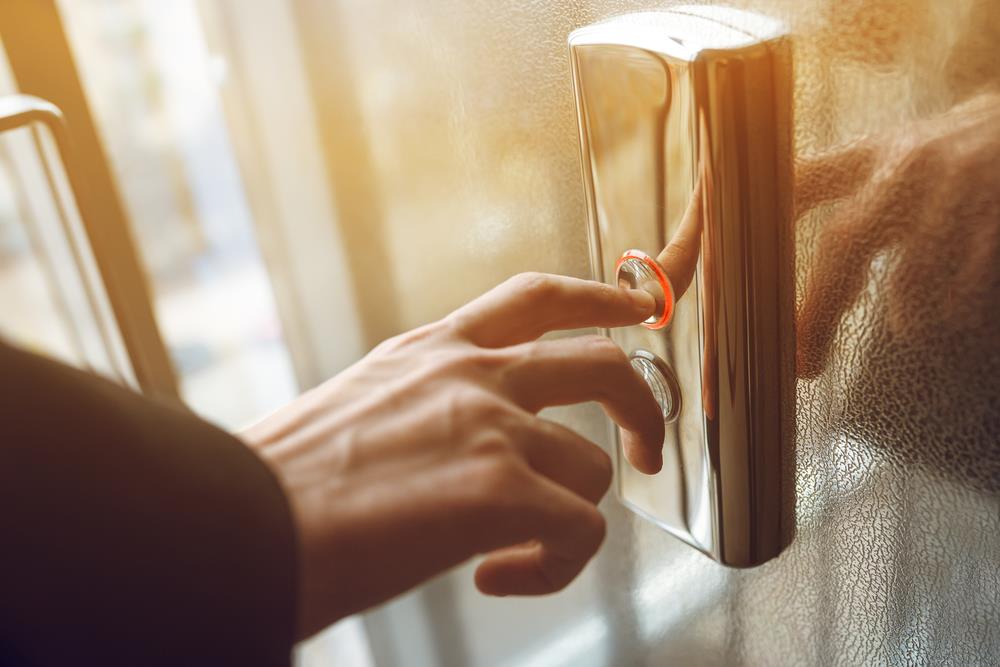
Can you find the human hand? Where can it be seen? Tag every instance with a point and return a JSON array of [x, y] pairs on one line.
[[429, 450], [928, 196]]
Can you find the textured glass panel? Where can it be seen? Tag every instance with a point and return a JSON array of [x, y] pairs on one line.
[[457, 121]]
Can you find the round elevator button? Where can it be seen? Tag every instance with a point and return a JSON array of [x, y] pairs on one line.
[[661, 380], [637, 270]]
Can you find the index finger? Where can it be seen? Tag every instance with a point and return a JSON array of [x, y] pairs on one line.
[[531, 304]]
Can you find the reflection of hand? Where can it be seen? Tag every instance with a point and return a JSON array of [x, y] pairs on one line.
[[930, 196], [429, 451]]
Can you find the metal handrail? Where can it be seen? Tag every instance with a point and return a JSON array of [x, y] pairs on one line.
[[42, 64], [20, 111]]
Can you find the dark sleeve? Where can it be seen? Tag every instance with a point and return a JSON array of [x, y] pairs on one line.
[[133, 533]]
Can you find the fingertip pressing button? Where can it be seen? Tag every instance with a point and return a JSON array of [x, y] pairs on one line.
[[637, 270]]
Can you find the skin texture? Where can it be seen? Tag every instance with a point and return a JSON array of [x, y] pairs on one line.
[[429, 451]]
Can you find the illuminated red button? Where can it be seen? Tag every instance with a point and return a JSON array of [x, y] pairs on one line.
[[637, 270]]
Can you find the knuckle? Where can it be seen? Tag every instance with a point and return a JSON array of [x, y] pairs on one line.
[[469, 412], [459, 324], [495, 445], [534, 286], [483, 360], [520, 363], [460, 361], [498, 477], [484, 409], [412, 337], [445, 365], [391, 345]]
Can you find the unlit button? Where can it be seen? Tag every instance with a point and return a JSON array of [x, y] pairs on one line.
[[661, 380]]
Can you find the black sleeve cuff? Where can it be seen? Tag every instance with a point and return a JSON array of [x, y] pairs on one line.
[[135, 533]]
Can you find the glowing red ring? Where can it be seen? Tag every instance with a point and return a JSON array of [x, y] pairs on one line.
[[661, 277]]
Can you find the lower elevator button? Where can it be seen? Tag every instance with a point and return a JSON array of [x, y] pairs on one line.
[[661, 380]]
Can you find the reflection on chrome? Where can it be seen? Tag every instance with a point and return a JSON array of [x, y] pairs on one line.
[[685, 132]]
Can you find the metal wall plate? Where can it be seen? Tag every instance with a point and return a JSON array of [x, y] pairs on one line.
[[685, 129]]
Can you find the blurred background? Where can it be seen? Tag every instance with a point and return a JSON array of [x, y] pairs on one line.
[[278, 185]]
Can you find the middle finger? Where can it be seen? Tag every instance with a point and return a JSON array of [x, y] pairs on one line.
[[589, 368]]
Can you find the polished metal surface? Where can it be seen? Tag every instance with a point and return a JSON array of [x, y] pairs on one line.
[[685, 130]]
